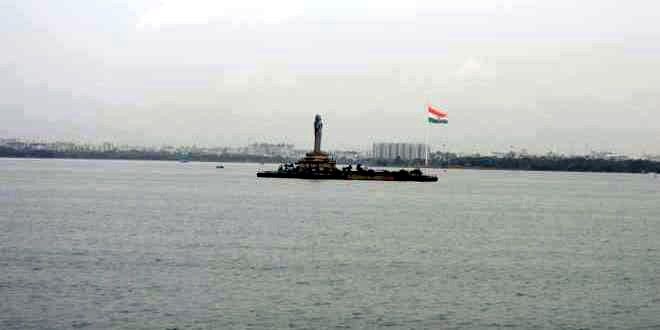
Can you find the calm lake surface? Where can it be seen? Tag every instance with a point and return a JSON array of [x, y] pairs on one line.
[[157, 245]]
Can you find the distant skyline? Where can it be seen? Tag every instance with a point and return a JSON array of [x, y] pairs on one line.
[[535, 75]]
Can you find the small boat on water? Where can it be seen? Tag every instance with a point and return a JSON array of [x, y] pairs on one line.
[[219, 166], [183, 157]]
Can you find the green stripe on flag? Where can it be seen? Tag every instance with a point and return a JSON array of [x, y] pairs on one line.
[[436, 121]]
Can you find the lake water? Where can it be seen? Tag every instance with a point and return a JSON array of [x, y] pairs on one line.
[[162, 245]]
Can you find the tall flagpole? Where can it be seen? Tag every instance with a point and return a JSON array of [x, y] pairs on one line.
[[447, 146], [426, 147], [426, 141]]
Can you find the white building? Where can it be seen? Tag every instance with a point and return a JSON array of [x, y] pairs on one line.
[[270, 149], [406, 151]]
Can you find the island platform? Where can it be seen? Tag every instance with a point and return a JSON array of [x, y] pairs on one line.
[[317, 165]]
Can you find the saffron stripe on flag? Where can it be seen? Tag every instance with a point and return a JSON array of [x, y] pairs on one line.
[[437, 112]]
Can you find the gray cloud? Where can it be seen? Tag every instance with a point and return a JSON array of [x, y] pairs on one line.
[[533, 75]]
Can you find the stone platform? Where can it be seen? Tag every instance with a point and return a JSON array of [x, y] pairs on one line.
[[318, 161]]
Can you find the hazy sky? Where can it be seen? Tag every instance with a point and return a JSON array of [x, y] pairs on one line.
[[541, 75]]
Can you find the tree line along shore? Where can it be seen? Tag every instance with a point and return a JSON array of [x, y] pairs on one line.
[[437, 160]]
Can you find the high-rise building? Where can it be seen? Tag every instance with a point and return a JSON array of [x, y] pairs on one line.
[[406, 151]]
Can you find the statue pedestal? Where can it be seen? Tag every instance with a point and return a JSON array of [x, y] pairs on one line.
[[317, 161]]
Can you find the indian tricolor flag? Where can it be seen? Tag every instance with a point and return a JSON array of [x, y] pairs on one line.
[[436, 116]]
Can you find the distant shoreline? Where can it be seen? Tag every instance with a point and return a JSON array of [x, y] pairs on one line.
[[528, 163]]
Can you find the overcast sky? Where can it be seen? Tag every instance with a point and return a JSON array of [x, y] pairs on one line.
[[542, 75]]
